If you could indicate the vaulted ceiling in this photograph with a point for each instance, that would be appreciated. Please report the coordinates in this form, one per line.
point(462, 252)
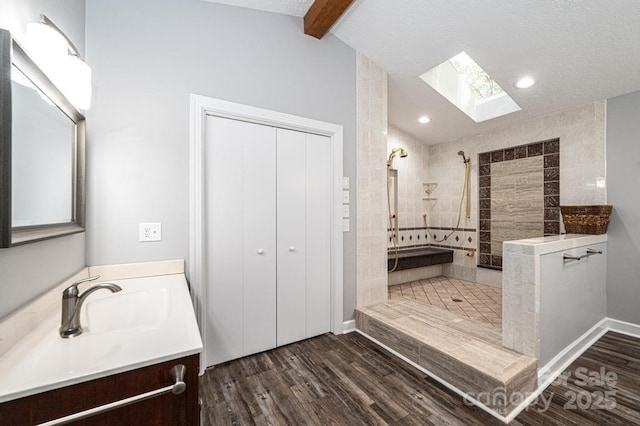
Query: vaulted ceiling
point(579, 51)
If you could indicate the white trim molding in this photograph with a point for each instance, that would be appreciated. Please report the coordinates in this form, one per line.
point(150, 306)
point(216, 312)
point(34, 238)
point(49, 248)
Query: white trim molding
point(548, 373)
point(623, 327)
point(348, 326)
point(201, 106)
point(560, 362)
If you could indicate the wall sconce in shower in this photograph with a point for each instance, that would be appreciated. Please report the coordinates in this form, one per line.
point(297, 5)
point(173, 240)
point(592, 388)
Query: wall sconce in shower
point(60, 60)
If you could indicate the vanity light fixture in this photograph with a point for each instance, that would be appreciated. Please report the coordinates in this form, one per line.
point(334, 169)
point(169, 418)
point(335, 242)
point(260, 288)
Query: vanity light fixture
point(59, 58)
point(525, 83)
point(424, 119)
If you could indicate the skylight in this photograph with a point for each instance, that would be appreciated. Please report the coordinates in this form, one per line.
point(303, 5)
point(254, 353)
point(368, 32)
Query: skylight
point(481, 83)
point(466, 85)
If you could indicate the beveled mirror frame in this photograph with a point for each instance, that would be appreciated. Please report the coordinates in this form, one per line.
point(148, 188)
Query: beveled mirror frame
point(12, 54)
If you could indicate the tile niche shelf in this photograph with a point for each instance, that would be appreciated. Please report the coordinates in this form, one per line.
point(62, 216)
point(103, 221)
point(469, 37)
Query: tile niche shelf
point(429, 187)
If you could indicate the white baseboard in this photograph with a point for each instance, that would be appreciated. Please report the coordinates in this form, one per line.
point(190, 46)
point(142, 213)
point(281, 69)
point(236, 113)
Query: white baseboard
point(348, 326)
point(623, 327)
point(560, 362)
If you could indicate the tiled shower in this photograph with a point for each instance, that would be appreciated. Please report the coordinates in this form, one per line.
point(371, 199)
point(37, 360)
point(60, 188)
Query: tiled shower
point(581, 134)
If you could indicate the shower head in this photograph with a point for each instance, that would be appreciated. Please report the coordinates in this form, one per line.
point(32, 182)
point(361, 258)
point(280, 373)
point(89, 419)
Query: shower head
point(395, 151)
point(464, 158)
point(461, 153)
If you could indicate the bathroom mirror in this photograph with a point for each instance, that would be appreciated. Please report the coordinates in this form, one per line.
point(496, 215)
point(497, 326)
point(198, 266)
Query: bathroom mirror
point(41, 153)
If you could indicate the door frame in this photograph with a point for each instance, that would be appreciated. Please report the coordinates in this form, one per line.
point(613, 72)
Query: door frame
point(201, 107)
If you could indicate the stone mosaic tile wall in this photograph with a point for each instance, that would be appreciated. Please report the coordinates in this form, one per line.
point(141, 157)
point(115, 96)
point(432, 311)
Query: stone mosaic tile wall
point(519, 196)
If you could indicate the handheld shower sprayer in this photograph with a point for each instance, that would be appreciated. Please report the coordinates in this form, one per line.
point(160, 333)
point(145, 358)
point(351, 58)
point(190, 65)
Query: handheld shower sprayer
point(393, 216)
point(403, 153)
point(467, 181)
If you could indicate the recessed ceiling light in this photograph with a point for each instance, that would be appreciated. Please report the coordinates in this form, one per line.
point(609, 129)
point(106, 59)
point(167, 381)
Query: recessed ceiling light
point(424, 119)
point(525, 83)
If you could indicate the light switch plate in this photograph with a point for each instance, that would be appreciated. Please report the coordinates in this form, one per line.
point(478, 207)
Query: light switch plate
point(345, 225)
point(345, 182)
point(150, 232)
point(345, 211)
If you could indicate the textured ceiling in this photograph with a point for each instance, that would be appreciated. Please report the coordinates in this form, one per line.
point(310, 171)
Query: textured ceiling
point(579, 51)
point(286, 7)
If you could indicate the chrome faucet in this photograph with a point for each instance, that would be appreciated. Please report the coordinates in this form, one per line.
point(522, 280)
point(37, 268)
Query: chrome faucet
point(72, 302)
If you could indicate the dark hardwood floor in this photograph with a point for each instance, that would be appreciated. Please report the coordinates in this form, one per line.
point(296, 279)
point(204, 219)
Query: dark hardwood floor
point(347, 380)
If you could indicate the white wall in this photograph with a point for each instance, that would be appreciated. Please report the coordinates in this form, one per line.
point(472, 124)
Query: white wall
point(147, 57)
point(582, 160)
point(623, 174)
point(32, 269)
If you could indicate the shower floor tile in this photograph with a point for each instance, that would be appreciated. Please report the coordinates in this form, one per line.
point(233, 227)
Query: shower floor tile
point(475, 301)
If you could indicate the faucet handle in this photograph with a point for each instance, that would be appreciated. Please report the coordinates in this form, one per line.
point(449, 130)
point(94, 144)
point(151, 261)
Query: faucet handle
point(72, 290)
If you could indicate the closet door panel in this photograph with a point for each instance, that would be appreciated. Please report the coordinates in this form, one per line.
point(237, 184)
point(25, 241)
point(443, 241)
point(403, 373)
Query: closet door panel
point(259, 234)
point(291, 228)
point(241, 235)
point(318, 238)
point(224, 206)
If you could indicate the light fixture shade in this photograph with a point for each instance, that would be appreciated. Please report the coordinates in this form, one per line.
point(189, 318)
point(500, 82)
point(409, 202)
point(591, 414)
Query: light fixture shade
point(71, 75)
point(77, 82)
point(43, 41)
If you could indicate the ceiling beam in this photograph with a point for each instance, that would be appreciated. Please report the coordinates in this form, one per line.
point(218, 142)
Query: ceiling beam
point(322, 15)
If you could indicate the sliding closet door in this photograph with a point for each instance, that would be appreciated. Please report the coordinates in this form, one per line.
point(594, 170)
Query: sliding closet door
point(303, 281)
point(241, 239)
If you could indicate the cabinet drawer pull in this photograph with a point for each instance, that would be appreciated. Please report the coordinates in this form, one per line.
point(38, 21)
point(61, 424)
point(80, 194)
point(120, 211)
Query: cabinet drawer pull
point(177, 374)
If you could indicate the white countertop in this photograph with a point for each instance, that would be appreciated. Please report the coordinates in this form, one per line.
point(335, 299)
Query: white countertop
point(43, 361)
point(551, 244)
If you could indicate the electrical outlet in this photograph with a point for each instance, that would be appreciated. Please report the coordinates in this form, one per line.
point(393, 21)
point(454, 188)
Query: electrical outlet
point(150, 232)
point(345, 197)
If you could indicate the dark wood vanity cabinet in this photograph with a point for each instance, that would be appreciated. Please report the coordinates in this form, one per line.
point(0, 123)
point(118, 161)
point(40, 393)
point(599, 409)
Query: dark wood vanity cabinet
point(166, 409)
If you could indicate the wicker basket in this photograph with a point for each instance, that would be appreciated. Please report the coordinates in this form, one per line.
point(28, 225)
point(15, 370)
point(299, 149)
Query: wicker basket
point(586, 219)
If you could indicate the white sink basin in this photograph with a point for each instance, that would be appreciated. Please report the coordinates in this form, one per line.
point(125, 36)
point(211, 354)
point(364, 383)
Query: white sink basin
point(150, 321)
point(127, 310)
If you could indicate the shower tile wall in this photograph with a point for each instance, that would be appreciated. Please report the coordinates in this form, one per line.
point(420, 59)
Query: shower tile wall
point(582, 132)
point(371, 146)
point(412, 173)
point(518, 197)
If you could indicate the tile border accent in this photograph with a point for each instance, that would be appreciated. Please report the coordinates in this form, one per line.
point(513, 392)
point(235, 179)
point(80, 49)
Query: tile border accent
point(420, 238)
point(550, 150)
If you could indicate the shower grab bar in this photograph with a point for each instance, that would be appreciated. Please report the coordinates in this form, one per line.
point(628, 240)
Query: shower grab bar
point(590, 252)
point(177, 375)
